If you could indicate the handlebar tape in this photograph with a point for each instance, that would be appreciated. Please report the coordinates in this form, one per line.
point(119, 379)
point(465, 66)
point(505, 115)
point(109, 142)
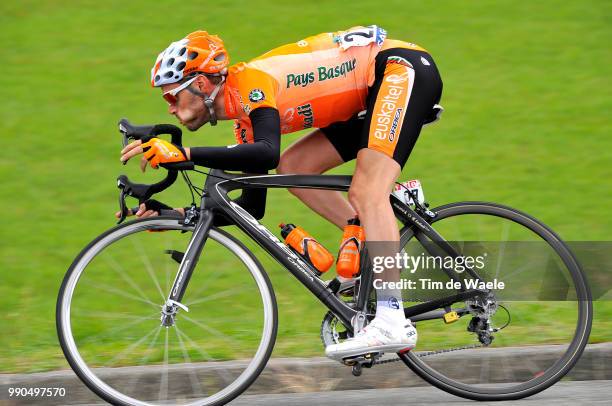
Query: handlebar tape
point(174, 131)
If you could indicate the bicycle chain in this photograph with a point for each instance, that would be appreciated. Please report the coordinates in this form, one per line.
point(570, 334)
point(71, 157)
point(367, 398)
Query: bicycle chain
point(428, 353)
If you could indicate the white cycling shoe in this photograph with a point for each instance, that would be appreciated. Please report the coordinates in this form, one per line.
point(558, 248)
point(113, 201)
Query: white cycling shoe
point(378, 336)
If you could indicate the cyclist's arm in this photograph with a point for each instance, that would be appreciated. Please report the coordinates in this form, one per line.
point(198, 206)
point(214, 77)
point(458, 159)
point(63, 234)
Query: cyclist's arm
point(258, 157)
point(262, 154)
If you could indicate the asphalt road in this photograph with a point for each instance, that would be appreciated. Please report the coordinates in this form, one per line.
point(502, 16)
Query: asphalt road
point(563, 393)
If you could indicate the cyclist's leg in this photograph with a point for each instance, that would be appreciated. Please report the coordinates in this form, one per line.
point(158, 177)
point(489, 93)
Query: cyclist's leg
point(374, 176)
point(407, 86)
point(402, 97)
point(315, 154)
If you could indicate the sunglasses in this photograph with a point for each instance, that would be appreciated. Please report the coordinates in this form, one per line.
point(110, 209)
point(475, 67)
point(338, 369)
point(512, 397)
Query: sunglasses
point(171, 96)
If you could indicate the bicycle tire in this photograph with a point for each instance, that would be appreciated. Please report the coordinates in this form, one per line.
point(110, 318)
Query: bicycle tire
point(563, 365)
point(109, 394)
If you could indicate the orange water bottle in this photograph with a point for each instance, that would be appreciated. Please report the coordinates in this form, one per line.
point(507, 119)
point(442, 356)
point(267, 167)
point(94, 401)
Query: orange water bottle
point(309, 248)
point(353, 237)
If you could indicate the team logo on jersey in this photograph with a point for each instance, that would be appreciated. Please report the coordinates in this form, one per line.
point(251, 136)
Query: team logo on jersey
point(300, 79)
point(399, 60)
point(336, 71)
point(322, 73)
point(397, 79)
point(305, 111)
point(256, 95)
point(245, 107)
point(398, 114)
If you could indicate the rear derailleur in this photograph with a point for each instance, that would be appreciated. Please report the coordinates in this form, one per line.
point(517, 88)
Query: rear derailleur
point(482, 327)
point(482, 309)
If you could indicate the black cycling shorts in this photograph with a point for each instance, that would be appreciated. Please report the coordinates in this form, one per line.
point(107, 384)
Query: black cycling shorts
point(406, 87)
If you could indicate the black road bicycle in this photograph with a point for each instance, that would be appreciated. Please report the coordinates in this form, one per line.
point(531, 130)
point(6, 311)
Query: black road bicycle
point(137, 330)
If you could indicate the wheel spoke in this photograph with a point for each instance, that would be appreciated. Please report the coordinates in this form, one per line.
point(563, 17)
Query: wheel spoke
point(124, 275)
point(144, 359)
point(130, 348)
point(211, 330)
point(507, 370)
point(527, 266)
point(217, 295)
point(195, 383)
point(163, 389)
point(485, 367)
point(107, 315)
point(500, 258)
point(148, 267)
point(117, 329)
point(220, 371)
point(116, 291)
point(205, 285)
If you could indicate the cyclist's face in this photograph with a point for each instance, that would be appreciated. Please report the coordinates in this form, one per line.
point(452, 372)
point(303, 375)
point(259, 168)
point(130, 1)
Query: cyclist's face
point(189, 109)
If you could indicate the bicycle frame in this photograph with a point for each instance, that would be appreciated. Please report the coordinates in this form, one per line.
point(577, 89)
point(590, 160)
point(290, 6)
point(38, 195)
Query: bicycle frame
point(215, 199)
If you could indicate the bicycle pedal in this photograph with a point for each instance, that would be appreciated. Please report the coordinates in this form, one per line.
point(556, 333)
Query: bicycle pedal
point(450, 317)
point(362, 358)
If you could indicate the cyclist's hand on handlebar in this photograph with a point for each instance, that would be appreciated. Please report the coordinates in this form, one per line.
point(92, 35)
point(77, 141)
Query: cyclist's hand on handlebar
point(156, 151)
point(151, 208)
point(132, 149)
point(142, 212)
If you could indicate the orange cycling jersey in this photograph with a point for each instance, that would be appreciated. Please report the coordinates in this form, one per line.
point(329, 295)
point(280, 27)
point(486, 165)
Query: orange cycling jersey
point(314, 82)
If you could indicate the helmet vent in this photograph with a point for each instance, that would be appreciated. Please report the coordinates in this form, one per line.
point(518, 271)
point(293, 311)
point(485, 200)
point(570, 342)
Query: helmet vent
point(180, 66)
point(170, 62)
point(157, 78)
point(182, 51)
point(168, 74)
point(220, 57)
point(192, 55)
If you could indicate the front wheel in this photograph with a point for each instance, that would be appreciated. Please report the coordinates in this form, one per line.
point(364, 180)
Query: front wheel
point(536, 327)
point(109, 313)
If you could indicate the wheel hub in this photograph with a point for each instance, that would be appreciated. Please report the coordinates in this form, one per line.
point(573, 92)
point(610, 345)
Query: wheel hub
point(169, 310)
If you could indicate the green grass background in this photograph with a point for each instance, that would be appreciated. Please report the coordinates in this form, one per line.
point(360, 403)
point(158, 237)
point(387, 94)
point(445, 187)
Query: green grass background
point(526, 92)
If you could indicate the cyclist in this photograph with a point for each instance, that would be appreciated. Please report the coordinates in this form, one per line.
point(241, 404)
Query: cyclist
point(367, 96)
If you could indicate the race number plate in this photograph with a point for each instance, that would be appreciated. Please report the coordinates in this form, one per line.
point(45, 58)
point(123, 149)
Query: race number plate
point(414, 186)
point(361, 37)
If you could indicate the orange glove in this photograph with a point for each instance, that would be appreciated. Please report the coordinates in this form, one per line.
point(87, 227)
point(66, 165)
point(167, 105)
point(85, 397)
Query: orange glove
point(158, 151)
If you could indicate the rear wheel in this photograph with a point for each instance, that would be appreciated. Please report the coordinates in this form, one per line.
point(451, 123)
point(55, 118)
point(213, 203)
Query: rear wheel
point(544, 310)
point(109, 310)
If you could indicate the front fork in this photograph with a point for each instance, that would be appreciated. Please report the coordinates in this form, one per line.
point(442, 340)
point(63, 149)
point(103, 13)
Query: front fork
point(170, 308)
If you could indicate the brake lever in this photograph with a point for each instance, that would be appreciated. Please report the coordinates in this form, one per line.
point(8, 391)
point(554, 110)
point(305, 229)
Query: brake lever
point(122, 207)
point(125, 140)
point(127, 136)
